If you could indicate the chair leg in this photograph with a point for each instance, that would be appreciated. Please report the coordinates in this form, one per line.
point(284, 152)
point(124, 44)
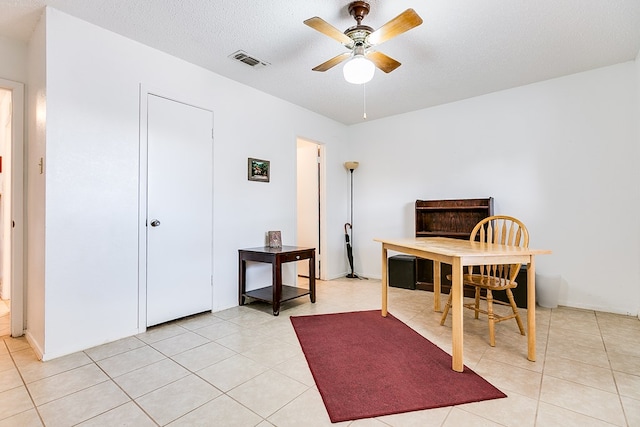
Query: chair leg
point(477, 302)
point(514, 307)
point(446, 309)
point(492, 322)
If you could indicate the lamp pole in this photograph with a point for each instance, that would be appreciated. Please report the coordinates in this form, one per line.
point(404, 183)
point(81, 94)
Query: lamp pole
point(351, 166)
point(351, 196)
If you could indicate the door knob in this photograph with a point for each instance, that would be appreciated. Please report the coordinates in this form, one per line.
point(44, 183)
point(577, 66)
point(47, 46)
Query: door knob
point(155, 223)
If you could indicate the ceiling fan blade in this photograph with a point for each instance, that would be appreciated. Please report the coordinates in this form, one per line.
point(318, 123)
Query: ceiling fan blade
point(327, 29)
point(398, 25)
point(332, 62)
point(383, 62)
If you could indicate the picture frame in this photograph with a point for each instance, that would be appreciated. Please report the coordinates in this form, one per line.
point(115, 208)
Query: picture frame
point(274, 239)
point(258, 170)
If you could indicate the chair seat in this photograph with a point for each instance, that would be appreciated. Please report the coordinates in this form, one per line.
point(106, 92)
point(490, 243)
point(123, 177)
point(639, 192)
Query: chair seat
point(488, 282)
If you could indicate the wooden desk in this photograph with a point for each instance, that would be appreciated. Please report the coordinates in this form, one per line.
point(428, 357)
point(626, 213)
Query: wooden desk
point(277, 292)
point(461, 253)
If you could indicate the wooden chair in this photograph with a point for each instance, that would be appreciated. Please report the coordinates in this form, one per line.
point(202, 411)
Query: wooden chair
point(502, 230)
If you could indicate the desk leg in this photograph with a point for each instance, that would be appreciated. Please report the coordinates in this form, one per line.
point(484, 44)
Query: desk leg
point(457, 331)
point(531, 309)
point(437, 282)
point(276, 285)
point(312, 277)
point(385, 287)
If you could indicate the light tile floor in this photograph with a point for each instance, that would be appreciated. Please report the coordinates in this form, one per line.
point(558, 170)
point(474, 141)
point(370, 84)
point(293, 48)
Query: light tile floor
point(244, 367)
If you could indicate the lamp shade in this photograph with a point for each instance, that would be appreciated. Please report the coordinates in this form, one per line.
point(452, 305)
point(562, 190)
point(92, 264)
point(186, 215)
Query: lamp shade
point(358, 70)
point(351, 165)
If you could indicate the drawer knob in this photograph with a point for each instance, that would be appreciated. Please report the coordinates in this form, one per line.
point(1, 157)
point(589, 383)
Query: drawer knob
point(297, 256)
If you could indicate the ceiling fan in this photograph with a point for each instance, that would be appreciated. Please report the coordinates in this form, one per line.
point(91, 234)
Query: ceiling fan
point(361, 39)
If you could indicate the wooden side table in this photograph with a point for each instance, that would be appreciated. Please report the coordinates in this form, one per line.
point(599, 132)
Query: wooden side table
point(277, 292)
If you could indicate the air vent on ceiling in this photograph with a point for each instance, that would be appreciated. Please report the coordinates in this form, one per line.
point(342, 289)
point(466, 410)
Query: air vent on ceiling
point(245, 58)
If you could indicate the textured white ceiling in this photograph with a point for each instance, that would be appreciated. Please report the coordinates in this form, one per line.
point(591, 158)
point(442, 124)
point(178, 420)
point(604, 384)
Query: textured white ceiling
point(463, 49)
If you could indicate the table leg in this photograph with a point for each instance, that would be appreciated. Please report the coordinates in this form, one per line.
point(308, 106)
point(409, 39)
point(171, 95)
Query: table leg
point(312, 277)
point(531, 309)
point(384, 281)
point(242, 278)
point(457, 331)
point(276, 285)
point(437, 282)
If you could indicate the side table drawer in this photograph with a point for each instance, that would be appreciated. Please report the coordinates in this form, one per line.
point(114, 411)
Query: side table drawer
point(296, 256)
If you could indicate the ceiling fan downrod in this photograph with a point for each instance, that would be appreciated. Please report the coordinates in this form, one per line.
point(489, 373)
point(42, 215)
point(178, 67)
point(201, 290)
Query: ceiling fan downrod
point(359, 9)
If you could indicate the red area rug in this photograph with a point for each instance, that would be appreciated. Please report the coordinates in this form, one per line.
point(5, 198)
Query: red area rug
point(366, 365)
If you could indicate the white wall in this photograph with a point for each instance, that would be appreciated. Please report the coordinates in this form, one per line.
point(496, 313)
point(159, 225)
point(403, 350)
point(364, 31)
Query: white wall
point(13, 65)
point(637, 120)
point(92, 147)
point(35, 186)
point(5, 188)
point(561, 155)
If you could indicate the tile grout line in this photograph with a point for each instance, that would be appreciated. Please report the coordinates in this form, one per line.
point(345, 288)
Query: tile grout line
point(615, 381)
point(544, 361)
point(24, 384)
point(131, 399)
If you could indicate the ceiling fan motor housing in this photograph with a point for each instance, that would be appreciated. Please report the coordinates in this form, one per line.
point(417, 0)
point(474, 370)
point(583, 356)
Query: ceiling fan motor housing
point(359, 34)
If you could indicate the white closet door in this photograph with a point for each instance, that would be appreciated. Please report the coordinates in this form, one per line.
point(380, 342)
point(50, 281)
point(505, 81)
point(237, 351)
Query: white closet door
point(179, 210)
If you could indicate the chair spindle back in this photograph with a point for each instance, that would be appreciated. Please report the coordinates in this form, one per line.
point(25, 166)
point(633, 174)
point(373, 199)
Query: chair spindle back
point(501, 230)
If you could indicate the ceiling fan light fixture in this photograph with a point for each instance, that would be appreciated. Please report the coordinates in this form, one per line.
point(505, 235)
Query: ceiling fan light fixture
point(358, 70)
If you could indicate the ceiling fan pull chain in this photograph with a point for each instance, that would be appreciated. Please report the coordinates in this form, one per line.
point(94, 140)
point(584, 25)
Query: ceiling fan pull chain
point(364, 101)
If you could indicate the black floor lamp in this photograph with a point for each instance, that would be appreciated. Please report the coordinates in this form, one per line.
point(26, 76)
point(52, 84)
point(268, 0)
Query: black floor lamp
point(351, 166)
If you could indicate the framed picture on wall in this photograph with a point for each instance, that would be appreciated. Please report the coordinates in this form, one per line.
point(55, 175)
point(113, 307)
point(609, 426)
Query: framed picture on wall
point(259, 170)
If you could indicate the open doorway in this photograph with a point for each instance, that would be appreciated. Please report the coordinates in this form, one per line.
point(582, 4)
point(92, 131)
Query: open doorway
point(310, 206)
point(11, 208)
point(5, 282)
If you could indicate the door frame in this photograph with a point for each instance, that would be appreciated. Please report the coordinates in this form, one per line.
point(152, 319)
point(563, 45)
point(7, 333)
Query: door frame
point(17, 206)
point(321, 251)
point(145, 91)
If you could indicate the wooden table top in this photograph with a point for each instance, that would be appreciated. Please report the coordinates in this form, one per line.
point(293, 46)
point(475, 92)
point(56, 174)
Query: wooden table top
point(459, 248)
